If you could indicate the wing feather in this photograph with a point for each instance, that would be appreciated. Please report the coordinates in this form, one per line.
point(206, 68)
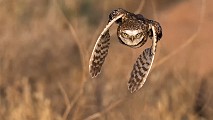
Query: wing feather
point(142, 66)
point(101, 48)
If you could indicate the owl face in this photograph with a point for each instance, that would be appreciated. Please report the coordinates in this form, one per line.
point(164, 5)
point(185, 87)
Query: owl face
point(131, 37)
point(134, 35)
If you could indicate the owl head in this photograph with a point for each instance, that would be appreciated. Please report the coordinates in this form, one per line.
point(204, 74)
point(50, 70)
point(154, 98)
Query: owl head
point(133, 33)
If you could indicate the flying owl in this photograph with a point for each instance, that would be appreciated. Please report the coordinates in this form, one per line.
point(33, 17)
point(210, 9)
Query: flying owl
point(133, 31)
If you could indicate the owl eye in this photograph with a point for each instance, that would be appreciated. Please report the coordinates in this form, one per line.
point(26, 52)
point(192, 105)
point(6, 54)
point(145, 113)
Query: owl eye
point(138, 35)
point(125, 35)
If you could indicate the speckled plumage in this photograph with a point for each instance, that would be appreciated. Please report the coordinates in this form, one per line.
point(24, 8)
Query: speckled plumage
point(133, 31)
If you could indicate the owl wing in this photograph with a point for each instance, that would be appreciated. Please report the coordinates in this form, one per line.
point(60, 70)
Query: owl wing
point(142, 66)
point(100, 50)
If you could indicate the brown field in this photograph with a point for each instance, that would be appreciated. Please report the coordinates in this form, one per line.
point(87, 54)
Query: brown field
point(45, 47)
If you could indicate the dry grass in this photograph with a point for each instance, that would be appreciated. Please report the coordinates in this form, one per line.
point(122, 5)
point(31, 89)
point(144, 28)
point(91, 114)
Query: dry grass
point(44, 52)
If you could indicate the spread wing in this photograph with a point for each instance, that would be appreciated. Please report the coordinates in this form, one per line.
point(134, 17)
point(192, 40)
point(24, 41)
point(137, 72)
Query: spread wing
point(142, 66)
point(100, 50)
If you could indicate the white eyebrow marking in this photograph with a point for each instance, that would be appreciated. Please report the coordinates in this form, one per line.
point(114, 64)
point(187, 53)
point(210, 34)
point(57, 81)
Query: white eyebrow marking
point(132, 32)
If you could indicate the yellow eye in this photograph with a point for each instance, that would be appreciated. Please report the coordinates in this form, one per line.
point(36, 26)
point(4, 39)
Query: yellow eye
point(138, 35)
point(125, 35)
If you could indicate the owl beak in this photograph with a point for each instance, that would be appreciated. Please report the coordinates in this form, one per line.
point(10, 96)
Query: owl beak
point(132, 38)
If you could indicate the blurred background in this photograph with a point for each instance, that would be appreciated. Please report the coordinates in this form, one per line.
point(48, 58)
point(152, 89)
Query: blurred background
point(45, 47)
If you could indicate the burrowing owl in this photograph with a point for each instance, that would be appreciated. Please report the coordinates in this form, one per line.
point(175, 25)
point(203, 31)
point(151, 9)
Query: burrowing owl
point(133, 31)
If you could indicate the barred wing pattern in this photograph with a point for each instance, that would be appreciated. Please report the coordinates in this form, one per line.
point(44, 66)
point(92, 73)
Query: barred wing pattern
point(99, 54)
point(142, 66)
point(100, 50)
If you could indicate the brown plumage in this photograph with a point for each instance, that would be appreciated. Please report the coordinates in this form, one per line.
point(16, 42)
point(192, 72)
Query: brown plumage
point(133, 31)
